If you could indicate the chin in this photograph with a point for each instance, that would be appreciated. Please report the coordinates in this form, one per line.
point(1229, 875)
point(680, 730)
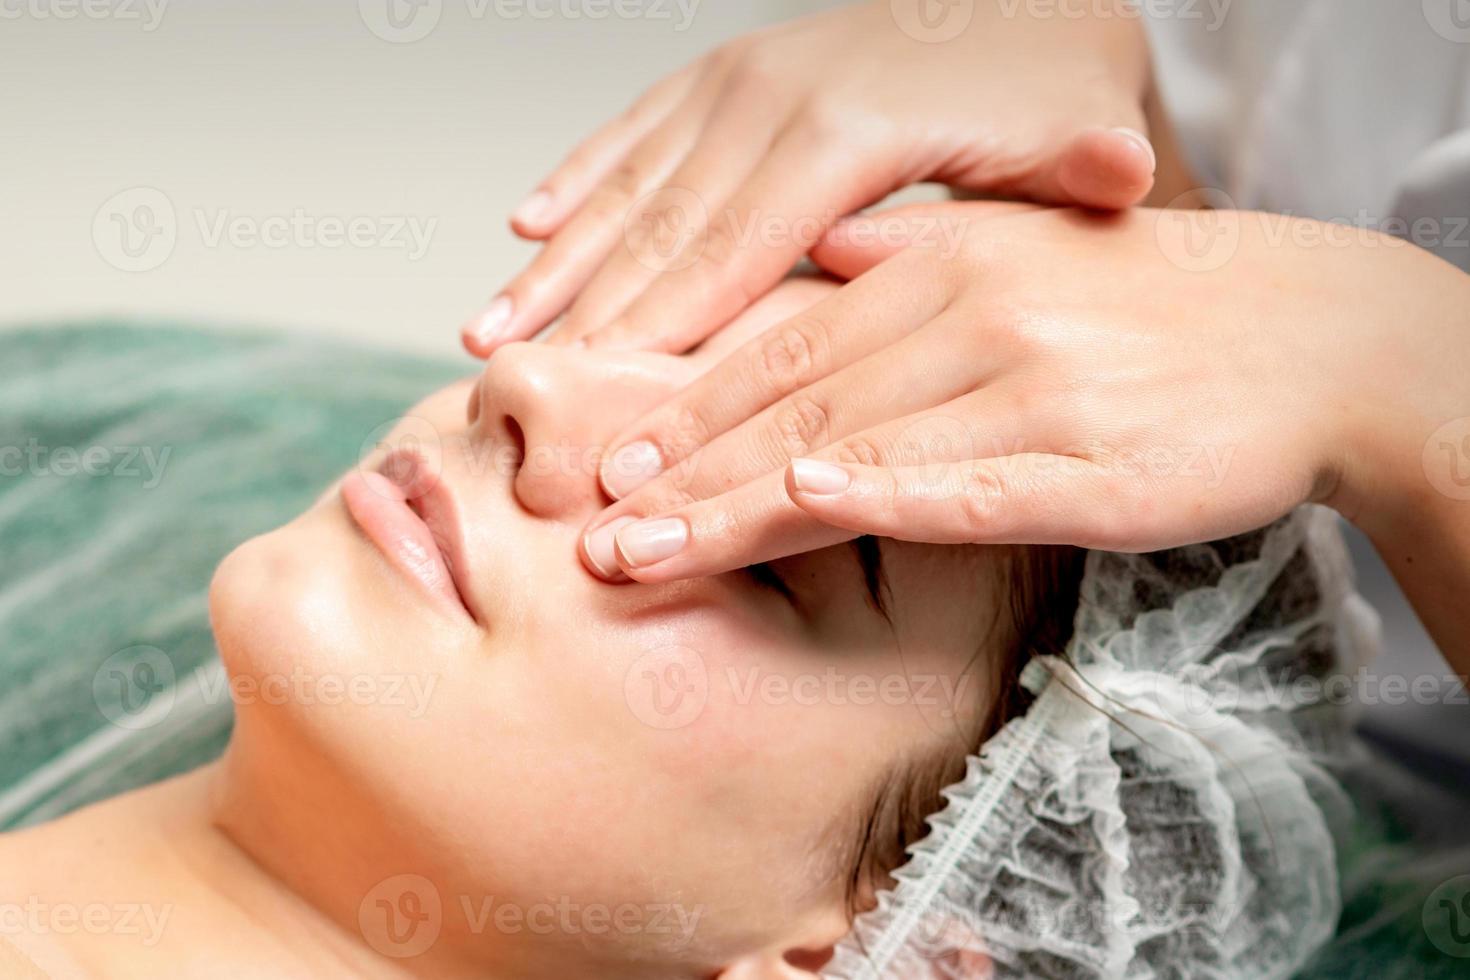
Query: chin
point(279, 596)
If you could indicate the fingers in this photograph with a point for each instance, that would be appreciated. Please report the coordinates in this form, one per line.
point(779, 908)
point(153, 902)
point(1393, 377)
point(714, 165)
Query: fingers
point(675, 534)
point(800, 188)
point(566, 188)
point(739, 132)
point(753, 523)
point(1028, 498)
point(852, 323)
point(857, 398)
point(570, 258)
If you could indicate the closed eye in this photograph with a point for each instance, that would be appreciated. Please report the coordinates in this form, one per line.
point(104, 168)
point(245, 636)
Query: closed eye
point(765, 576)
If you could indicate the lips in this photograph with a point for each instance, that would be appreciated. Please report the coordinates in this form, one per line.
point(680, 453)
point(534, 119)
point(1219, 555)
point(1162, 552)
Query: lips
point(408, 514)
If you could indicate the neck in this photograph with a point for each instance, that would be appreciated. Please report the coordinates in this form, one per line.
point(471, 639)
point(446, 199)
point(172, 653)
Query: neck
point(160, 880)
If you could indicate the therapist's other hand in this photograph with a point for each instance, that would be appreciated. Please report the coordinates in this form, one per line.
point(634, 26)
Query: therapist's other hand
point(1126, 382)
point(673, 217)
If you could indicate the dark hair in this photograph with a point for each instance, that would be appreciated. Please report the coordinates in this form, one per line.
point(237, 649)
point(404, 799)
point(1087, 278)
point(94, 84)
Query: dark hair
point(1043, 585)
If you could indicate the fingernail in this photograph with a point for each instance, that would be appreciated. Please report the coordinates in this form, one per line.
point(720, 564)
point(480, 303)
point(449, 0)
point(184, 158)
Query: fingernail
point(598, 545)
point(489, 327)
point(818, 478)
point(631, 467)
point(1143, 144)
point(533, 209)
point(650, 542)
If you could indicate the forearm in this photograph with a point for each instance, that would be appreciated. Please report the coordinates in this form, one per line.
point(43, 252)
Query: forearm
point(1411, 472)
point(1429, 555)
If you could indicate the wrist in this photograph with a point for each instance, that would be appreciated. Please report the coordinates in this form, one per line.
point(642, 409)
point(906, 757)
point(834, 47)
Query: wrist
point(1403, 459)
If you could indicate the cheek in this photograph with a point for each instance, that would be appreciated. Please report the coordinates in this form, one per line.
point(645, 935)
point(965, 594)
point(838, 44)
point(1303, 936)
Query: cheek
point(319, 641)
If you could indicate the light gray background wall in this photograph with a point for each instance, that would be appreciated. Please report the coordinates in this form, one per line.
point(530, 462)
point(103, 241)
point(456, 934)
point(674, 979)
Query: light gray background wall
point(236, 110)
point(218, 111)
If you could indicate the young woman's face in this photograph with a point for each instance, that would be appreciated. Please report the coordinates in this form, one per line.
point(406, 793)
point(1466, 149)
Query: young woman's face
point(652, 779)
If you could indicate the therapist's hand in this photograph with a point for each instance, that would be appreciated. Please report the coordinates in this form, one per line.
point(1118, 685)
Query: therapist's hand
point(1127, 382)
point(672, 218)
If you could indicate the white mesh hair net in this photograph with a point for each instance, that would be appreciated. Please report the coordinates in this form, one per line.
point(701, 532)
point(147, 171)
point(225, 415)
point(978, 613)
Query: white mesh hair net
point(1165, 807)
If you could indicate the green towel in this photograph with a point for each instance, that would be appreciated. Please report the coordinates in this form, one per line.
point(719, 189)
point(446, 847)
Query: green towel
point(132, 459)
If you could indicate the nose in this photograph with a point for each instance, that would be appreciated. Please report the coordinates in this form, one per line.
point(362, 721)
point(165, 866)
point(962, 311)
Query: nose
point(562, 407)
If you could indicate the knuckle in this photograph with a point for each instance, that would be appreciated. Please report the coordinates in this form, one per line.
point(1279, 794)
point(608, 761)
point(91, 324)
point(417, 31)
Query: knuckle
point(681, 432)
point(720, 247)
point(982, 498)
point(791, 354)
point(727, 57)
point(625, 179)
point(825, 120)
point(800, 425)
point(756, 71)
point(663, 496)
point(862, 451)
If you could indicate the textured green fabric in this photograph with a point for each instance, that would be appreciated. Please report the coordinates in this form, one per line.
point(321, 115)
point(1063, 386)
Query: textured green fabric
point(210, 438)
point(198, 441)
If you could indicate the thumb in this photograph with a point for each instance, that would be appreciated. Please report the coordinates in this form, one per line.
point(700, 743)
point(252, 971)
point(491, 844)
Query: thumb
point(1108, 169)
